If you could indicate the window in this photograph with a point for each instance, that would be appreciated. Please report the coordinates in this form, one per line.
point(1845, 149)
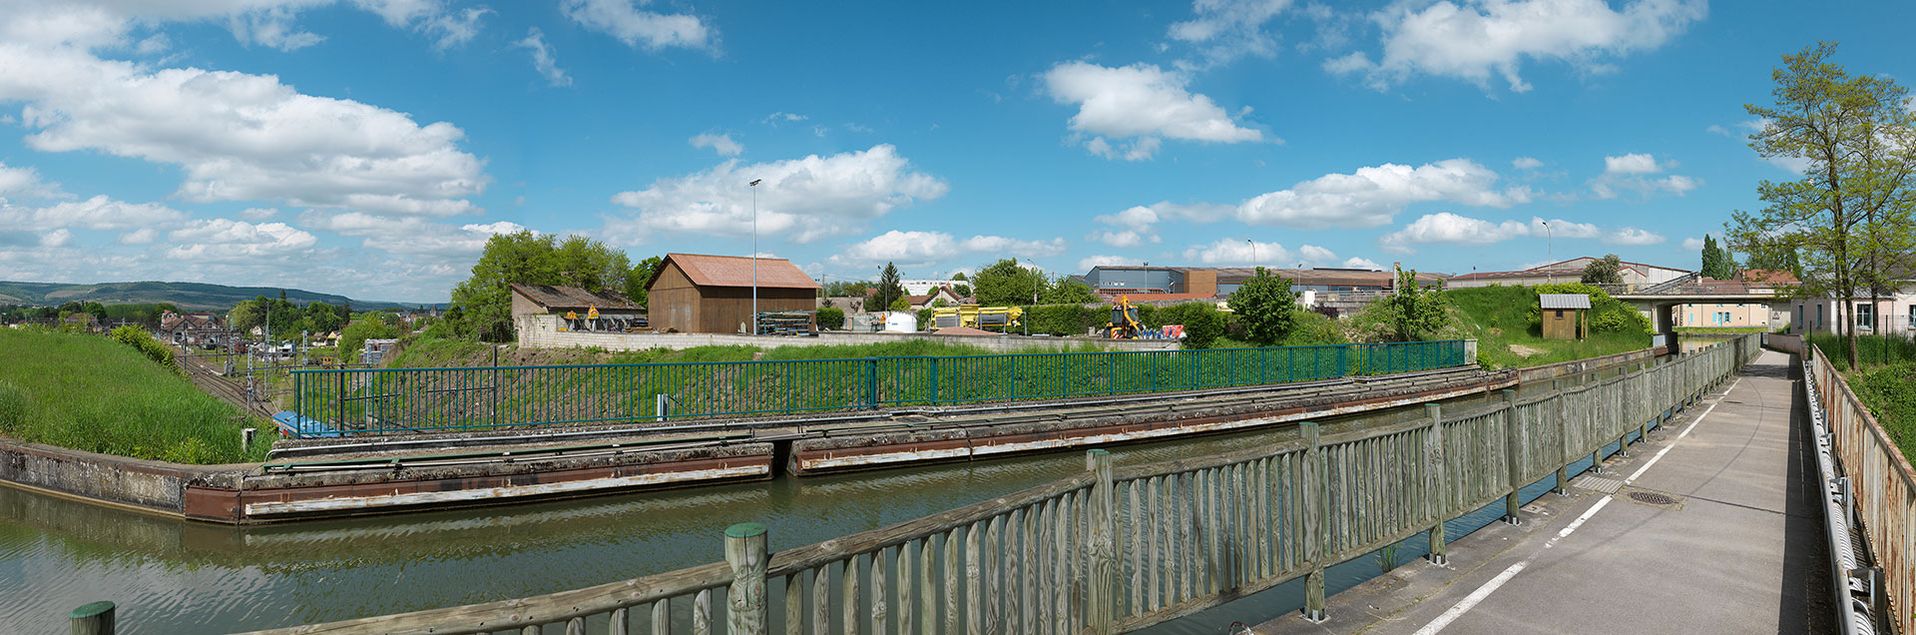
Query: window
point(1912, 316)
point(1559, 314)
point(1865, 316)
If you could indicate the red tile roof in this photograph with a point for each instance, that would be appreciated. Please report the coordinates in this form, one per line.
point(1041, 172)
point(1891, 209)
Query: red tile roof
point(736, 271)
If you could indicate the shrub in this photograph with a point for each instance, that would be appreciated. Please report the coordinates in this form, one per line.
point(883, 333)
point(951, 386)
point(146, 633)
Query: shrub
point(1065, 319)
point(1203, 323)
point(1264, 306)
point(1607, 314)
point(1311, 328)
point(144, 342)
point(831, 318)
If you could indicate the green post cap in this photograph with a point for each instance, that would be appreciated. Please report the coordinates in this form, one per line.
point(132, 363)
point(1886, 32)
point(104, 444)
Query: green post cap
point(1099, 452)
point(745, 530)
point(90, 610)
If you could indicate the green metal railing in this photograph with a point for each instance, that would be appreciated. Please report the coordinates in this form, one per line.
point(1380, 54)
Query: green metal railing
point(332, 402)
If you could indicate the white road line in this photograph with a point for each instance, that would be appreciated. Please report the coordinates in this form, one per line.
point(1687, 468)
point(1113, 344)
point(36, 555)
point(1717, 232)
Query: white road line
point(1686, 432)
point(1471, 600)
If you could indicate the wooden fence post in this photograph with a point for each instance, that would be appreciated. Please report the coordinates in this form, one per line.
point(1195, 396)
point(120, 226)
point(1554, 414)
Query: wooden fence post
point(1563, 436)
point(1514, 455)
point(1317, 535)
point(745, 551)
point(92, 619)
point(1438, 494)
point(1101, 601)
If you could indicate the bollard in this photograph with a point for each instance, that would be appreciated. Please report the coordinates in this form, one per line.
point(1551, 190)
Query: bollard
point(745, 552)
point(92, 619)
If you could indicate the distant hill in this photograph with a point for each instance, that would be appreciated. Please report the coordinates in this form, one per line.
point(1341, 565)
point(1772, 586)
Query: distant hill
point(194, 296)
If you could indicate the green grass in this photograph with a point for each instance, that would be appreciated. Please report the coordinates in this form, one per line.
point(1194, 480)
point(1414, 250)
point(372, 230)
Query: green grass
point(91, 393)
point(1885, 380)
point(1499, 317)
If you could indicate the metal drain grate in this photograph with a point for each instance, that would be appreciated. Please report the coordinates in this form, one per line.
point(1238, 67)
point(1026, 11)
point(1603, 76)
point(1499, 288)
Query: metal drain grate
point(1653, 498)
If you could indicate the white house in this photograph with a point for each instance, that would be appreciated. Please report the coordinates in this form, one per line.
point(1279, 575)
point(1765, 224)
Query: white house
point(1893, 313)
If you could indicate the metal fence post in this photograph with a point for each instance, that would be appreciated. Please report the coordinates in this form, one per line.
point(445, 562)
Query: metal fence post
point(339, 400)
point(745, 598)
point(871, 383)
point(1317, 535)
point(1438, 495)
point(1514, 453)
point(92, 619)
point(1101, 594)
point(936, 398)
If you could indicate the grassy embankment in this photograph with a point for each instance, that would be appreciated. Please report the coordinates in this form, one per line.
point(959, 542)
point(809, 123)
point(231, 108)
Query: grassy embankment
point(1885, 379)
point(91, 393)
point(1500, 318)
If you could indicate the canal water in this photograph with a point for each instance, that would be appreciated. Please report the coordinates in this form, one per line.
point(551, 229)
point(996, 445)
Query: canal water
point(171, 576)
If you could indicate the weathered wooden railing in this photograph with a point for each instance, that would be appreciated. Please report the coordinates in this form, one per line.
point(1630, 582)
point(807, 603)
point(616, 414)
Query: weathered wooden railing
point(1882, 491)
point(1116, 549)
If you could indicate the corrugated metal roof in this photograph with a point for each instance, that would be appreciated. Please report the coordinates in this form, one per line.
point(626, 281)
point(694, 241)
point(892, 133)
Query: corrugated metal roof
point(736, 271)
point(557, 297)
point(1564, 300)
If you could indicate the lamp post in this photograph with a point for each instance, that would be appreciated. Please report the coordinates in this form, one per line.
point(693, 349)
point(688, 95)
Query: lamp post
point(1253, 245)
point(754, 186)
point(1037, 281)
point(1549, 240)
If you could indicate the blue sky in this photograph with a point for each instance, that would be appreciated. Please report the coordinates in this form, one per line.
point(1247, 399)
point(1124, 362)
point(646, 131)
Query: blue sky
point(368, 147)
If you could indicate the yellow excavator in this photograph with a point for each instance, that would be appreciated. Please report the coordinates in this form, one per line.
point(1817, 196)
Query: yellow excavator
point(1124, 324)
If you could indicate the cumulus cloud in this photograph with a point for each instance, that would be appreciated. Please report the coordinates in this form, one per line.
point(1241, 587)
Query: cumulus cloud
point(1477, 40)
point(56, 238)
point(1371, 196)
point(1633, 236)
point(226, 239)
point(1526, 163)
point(1137, 225)
point(1693, 244)
point(1450, 228)
point(1236, 251)
point(635, 27)
point(920, 248)
point(1224, 30)
point(235, 136)
point(720, 143)
point(1635, 172)
point(803, 199)
point(23, 182)
point(98, 212)
point(543, 59)
point(1087, 262)
point(1138, 105)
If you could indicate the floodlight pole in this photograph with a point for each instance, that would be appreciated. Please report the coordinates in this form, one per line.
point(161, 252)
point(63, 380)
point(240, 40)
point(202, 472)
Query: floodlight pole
point(754, 186)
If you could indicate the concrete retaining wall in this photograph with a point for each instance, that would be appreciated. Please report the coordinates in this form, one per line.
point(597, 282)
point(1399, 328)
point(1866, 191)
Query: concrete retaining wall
point(541, 331)
point(152, 485)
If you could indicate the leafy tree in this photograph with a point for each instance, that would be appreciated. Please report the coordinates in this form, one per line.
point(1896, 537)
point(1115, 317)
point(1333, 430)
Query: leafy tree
point(890, 290)
point(641, 275)
point(1605, 270)
point(1068, 290)
point(1264, 307)
point(484, 300)
point(1203, 323)
point(831, 318)
point(1006, 283)
point(963, 290)
point(320, 317)
point(1848, 216)
point(899, 304)
point(366, 326)
point(1774, 257)
point(1717, 263)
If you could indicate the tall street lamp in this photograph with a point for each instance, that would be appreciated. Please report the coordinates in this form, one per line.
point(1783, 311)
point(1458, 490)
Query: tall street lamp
point(754, 186)
point(1549, 252)
point(1253, 245)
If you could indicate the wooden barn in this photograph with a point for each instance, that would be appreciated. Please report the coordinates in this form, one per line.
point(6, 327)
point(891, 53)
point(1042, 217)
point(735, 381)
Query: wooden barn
point(694, 293)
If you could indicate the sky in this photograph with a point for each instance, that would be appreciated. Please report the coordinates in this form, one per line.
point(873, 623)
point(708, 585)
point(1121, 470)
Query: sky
point(370, 147)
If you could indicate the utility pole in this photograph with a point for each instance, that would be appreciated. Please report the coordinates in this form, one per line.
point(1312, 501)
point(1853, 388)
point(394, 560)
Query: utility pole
point(754, 186)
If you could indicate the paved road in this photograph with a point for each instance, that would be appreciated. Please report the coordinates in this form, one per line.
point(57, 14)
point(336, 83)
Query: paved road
point(1712, 561)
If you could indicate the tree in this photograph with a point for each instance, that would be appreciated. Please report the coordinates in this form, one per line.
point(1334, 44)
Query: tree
point(890, 290)
point(1717, 264)
point(365, 326)
point(1264, 306)
point(1068, 290)
point(1848, 216)
point(484, 300)
point(1006, 283)
point(1605, 270)
point(640, 276)
point(963, 290)
point(1774, 257)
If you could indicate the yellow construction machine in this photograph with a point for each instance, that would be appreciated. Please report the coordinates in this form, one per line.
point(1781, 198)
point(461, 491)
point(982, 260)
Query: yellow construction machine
point(990, 318)
point(1124, 324)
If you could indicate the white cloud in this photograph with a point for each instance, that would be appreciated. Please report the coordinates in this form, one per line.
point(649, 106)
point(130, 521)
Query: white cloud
point(1362, 263)
point(1633, 236)
point(801, 199)
point(437, 243)
point(622, 19)
point(1632, 172)
point(1225, 30)
point(139, 236)
point(784, 117)
point(720, 143)
point(1137, 224)
point(921, 248)
point(258, 213)
point(1480, 39)
point(1140, 103)
point(23, 182)
point(226, 239)
point(1693, 244)
point(98, 212)
point(56, 238)
point(543, 59)
point(1371, 196)
point(1526, 163)
point(1449, 228)
point(431, 17)
point(238, 136)
point(1633, 163)
point(1235, 251)
point(1088, 262)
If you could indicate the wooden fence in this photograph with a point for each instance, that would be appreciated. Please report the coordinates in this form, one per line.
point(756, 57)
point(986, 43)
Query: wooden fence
point(1115, 549)
point(1881, 484)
